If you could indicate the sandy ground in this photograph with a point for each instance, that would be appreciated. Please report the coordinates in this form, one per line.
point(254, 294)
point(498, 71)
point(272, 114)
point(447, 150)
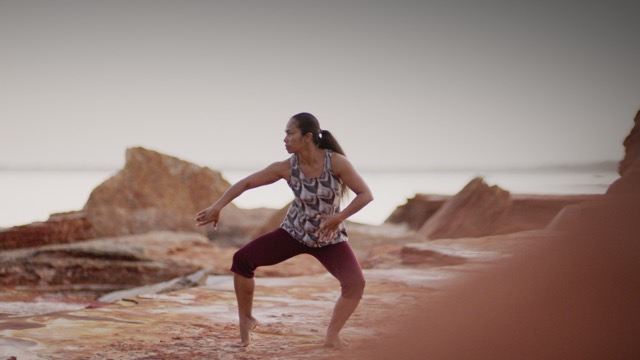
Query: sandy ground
point(201, 323)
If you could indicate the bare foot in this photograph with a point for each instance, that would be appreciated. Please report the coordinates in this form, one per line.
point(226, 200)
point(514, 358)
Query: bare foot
point(246, 326)
point(334, 341)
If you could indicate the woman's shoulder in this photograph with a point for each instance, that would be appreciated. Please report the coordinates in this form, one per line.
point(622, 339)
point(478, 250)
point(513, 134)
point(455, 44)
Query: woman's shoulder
point(338, 162)
point(336, 157)
point(282, 167)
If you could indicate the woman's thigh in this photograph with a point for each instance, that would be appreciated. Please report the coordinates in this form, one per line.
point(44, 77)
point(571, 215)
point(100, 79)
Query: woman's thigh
point(342, 263)
point(269, 249)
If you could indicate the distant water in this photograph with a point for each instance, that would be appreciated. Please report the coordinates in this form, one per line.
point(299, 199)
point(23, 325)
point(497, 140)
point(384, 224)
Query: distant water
point(27, 196)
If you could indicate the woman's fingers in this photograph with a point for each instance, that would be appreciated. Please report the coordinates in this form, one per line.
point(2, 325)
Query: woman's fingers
point(205, 222)
point(326, 234)
point(206, 216)
point(328, 228)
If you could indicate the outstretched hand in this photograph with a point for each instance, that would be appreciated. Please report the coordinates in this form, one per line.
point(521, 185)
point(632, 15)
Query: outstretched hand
point(208, 215)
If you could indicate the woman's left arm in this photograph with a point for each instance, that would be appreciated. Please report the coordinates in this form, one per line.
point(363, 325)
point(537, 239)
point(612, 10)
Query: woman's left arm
point(343, 169)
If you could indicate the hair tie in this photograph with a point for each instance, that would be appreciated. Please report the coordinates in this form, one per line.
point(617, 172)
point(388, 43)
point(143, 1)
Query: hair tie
point(320, 134)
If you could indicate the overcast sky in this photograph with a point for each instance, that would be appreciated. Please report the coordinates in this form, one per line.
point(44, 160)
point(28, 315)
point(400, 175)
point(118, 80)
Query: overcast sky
point(412, 84)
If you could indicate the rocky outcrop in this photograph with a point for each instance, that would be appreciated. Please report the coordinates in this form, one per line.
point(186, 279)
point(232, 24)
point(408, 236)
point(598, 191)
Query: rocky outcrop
point(417, 210)
point(447, 252)
point(109, 264)
point(629, 168)
point(531, 212)
point(152, 192)
point(631, 147)
point(622, 192)
point(60, 228)
point(519, 212)
point(474, 211)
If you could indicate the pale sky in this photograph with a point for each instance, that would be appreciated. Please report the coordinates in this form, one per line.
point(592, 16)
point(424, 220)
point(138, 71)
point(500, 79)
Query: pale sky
point(409, 84)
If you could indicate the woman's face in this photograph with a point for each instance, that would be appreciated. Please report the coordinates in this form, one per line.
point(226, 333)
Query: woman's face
point(293, 139)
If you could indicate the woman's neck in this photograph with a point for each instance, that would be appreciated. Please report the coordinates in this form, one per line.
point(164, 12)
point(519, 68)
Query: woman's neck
point(311, 156)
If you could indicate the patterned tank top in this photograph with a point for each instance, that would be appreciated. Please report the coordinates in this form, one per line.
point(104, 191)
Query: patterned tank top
point(313, 197)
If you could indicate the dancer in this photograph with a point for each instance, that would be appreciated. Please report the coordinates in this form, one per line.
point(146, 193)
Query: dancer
point(320, 176)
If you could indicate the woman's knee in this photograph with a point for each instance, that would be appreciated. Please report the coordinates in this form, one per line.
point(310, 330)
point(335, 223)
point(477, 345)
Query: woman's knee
point(353, 289)
point(241, 264)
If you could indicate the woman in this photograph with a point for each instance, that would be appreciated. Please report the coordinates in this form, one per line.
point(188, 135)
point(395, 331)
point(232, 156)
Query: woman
point(319, 175)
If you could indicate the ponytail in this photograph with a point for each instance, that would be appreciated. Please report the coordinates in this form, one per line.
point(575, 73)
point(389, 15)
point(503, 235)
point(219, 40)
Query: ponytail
point(326, 140)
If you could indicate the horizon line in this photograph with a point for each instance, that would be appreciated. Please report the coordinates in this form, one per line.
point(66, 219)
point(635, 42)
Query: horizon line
point(603, 165)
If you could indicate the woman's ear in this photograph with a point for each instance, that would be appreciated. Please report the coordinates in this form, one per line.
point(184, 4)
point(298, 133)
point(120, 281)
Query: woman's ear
point(308, 137)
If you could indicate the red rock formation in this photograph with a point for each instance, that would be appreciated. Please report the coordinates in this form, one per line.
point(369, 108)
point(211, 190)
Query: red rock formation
point(520, 212)
point(60, 228)
point(417, 210)
point(474, 211)
point(106, 264)
point(631, 147)
point(629, 168)
point(152, 192)
point(531, 212)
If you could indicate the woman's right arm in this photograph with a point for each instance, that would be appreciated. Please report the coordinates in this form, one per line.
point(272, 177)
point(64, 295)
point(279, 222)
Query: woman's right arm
point(268, 175)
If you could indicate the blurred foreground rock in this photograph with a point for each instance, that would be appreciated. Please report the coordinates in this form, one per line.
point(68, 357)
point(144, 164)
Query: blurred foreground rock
point(570, 295)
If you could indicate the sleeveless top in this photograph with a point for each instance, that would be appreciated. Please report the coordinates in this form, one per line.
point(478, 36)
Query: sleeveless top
point(313, 197)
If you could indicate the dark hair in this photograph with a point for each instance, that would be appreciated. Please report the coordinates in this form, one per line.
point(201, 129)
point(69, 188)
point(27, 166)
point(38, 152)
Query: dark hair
point(308, 123)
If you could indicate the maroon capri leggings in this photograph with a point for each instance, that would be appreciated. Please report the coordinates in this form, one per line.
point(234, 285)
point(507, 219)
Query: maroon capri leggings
point(277, 246)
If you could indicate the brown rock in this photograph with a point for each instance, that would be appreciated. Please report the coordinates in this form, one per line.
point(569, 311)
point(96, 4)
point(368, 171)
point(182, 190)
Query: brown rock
point(152, 192)
point(382, 257)
point(624, 189)
point(60, 228)
point(413, 254)
point(525, 211)
point(631, 147)
point(447, 252)
point(629, 168)
point(473, 212)
point(363, 238)
point(109, 264)
point(417, 210)
point(530, 212)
